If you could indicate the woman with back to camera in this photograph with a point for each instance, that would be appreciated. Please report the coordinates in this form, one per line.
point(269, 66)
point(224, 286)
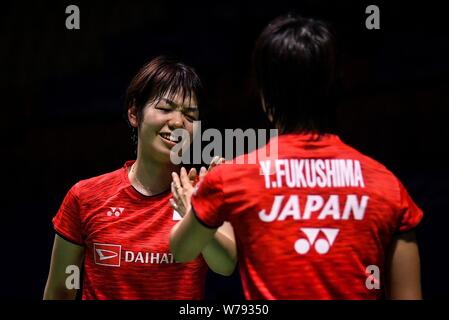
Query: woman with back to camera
point(317, 220)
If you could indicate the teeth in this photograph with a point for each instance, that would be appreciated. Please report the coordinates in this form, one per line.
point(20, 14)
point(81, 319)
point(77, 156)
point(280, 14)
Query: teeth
point(169, 137)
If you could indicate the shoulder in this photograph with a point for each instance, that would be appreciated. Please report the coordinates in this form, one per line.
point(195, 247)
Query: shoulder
point(378, 174)
point(368, 162)
point(100, 184)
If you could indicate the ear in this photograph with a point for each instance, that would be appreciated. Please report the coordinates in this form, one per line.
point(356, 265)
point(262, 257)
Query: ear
point(264, 107)
point(132, 116)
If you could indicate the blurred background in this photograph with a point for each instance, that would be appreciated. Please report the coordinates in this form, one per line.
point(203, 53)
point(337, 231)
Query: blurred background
point(63, 91)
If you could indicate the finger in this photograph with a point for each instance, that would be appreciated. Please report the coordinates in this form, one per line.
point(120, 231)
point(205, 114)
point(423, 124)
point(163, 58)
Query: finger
point(184, 178)
point(215, 159)
point(174, 192)
point(192, 175)
point(176, 207)
point(173, 204)
point(203, 172)
point(176, 179)
point(213, 162)
point(176, 185)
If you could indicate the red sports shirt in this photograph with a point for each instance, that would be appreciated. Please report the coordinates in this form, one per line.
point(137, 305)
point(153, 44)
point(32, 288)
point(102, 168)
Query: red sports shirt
point(126, 238)
point(312, 223)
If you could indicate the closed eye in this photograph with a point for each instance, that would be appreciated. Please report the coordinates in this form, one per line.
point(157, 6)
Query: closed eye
point(164, 109)
point(190, 117)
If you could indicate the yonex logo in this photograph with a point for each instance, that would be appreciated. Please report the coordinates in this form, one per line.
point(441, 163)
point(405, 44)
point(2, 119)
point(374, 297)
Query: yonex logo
point(107, 254)
point(115, 211)
point(321, 245)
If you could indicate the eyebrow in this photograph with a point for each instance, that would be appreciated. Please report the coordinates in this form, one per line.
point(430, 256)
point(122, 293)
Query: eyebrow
point(173, 104)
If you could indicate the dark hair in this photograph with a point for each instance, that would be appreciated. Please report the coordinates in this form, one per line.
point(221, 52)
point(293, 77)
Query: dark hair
point(162, 75)
point(294, 66)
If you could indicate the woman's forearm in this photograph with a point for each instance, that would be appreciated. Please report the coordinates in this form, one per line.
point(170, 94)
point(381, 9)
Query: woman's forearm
point(221, 254)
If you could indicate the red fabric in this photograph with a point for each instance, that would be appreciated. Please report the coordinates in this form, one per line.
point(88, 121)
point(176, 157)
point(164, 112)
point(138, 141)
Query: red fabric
point(126, 236)
point(320, 240)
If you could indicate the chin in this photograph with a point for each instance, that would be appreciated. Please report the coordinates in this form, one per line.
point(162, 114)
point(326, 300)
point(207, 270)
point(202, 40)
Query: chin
point(162, 154)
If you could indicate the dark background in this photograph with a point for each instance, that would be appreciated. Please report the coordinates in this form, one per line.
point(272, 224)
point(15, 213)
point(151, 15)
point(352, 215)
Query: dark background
point(63, 93)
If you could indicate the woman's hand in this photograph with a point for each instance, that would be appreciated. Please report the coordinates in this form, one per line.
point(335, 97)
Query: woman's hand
point(182, 190)
point(184, 186)
point(215, 162)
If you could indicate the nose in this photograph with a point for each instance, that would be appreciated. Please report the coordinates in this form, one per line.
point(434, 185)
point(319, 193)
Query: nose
point(175, 121)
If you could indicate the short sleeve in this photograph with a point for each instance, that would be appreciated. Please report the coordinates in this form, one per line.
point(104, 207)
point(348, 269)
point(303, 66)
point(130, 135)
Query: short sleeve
point(410, 213)
point(67, 222)
point(208, 201)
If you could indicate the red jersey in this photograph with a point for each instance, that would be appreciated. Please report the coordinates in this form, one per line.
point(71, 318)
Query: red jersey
point(126, 238)
point(312, 223)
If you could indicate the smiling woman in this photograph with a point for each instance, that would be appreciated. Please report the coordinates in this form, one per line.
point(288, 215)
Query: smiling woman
point(162, 97)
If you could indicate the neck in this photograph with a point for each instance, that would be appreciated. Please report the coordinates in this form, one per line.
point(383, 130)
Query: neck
point(150, 177)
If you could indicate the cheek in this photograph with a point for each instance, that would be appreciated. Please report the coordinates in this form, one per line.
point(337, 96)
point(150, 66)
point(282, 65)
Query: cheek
point(189, 127)
point(152, 120)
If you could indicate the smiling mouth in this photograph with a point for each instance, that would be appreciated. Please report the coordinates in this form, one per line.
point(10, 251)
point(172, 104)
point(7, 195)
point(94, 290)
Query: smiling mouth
point(169, 137)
